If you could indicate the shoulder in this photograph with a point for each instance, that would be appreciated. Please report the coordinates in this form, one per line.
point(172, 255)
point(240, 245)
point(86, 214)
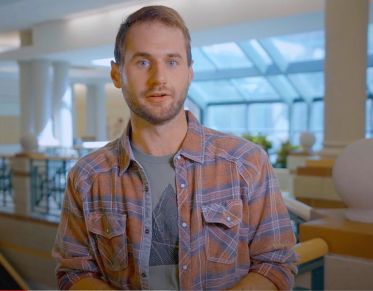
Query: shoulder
point(232, 147)
point(98, 161)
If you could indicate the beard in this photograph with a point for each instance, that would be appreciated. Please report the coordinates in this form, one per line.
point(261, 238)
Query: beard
point(156, 114)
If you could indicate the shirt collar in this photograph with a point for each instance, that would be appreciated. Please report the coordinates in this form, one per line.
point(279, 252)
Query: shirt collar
point(192, 146)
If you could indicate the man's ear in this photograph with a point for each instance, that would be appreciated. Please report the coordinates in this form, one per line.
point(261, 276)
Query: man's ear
point(191, 74)
point(115, 75)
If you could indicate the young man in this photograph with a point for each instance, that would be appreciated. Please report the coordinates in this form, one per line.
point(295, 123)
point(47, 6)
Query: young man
point(170, 204)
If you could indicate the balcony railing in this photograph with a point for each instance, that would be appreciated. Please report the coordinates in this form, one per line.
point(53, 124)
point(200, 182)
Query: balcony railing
point(48, 181)
point(6, 189)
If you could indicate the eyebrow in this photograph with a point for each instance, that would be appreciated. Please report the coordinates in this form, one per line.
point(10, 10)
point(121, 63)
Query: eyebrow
point(147, 55)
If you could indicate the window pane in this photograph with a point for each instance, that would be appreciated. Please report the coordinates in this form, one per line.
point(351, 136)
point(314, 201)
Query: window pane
point(283, 86)
point(369, 118)
point(214, 91)
point(370, 39)
point(370, 79)
point(227, 56)
point(227, 118)
point(317, 123)
point(310, 85)
point(192, 107)
point(258, 50)
point(271, 120)
point(299, 121)
point(300, 47)
point(255, 88)
point(200, 62)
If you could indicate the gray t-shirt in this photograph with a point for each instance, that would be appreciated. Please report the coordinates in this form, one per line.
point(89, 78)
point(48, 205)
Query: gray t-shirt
point(163, 262)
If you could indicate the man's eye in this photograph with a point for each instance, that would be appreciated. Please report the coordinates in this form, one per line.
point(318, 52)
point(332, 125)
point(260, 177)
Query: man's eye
point(172, 63)
point(143, 63)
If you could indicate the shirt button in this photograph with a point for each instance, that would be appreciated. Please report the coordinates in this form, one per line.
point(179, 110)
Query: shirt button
point(147, 231)
point(178, 157)
point(182, 185)
point(185, 267)
point(143, 275)
point(184, 224)
point(229, 218)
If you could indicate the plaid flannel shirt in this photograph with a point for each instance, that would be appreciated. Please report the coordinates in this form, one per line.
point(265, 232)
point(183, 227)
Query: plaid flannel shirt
point(231, 217)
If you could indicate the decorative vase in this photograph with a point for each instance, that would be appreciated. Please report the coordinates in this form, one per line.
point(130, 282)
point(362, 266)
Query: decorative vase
point(353, 179)
point(29, 143)
point(307, 140)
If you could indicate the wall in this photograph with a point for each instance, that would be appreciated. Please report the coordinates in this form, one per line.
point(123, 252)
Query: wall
point(9, 111)
point(27, 245)
point(116, 109)
point(10, 123)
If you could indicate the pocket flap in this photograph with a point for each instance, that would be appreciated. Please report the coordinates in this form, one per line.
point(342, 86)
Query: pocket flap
point(229, 214)
point(107, 224)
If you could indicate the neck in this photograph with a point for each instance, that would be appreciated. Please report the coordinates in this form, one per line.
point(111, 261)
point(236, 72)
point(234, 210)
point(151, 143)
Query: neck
point(159, 140)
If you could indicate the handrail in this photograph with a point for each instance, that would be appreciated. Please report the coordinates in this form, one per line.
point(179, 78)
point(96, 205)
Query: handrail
point(311, 259)
point(310, 250)
point(298, 208)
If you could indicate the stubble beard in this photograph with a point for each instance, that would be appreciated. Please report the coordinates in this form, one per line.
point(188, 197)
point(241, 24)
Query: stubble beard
point(156, 114)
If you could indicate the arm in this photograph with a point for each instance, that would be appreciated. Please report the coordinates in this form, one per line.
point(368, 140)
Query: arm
point(271, 253)
point(254, 281)
point(75, 260)
point(90, 284)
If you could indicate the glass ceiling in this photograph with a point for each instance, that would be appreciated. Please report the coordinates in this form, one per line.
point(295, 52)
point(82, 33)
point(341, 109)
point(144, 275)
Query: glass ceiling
point(254, 80)
point(256, 70)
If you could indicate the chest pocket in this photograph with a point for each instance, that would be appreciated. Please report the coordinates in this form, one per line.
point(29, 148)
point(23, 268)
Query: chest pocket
point(110, 236)
point(222, 222)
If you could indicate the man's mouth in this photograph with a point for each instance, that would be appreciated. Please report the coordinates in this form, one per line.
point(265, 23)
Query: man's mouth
point(157, 94)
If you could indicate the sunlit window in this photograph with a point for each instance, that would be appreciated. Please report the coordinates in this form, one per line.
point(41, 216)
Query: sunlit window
point(227, 56)
point(270, 120)
point(300, 47)
point(227, 118)
point(309, 85)
point(369, 118)
point(255, 88)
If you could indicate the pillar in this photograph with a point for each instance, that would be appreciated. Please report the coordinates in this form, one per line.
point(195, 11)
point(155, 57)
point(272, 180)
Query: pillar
point(96, 112)
point(26, 98)
point(62, 105)
point(346, 26)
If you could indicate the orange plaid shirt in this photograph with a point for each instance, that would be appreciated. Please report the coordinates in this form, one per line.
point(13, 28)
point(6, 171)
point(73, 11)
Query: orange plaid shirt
point(231, 217)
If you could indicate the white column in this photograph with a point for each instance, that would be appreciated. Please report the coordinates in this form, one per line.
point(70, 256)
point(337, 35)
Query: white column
point(41, 88)
point(26, 99)
point(73, 113)
point(96, 111)
point(345, 73)
point(62, 104)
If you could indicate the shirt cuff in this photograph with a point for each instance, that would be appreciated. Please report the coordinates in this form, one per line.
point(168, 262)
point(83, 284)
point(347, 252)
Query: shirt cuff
point(281, 277)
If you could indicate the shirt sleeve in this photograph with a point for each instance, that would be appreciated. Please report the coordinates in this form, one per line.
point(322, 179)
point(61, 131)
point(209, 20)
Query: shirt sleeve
point(271, 249)
point(71, 248)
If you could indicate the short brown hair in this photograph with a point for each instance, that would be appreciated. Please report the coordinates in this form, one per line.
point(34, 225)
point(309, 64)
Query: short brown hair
point(163, 14)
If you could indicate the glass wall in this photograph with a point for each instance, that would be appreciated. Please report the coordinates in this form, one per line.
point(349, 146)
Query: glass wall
point(272, 86)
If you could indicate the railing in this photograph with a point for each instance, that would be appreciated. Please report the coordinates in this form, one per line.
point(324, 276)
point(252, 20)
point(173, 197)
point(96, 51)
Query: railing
point(311, 259)
point(310, 253)
point(6, 191)
point(48, 181)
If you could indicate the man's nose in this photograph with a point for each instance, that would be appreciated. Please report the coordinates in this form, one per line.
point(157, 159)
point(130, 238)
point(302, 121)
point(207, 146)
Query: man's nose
point(158, 74)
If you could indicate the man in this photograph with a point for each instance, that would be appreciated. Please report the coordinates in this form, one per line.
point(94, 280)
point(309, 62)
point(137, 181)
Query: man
point(170, 204)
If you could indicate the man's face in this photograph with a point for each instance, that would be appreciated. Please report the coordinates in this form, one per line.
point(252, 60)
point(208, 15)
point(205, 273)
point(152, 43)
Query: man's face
point(154, 75)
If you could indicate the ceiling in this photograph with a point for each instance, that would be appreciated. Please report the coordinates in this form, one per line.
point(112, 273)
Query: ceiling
point(84, 30)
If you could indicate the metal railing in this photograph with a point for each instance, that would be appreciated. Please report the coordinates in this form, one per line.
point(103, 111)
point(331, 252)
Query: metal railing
point(310, 253)
point(48, 181)
point(6, 189)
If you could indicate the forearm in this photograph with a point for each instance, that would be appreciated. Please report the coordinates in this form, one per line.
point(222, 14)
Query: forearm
point(90, 284)
point(254, 281)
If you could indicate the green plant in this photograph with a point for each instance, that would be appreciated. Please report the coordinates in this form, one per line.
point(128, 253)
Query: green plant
point(282, 154)
point(259, 139)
